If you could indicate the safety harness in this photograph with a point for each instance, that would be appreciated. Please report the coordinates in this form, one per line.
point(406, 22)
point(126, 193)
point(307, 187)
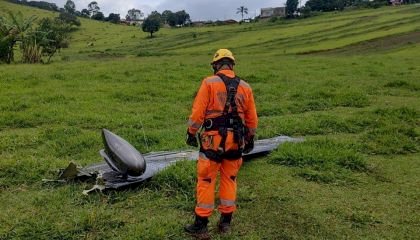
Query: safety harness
point(228, 121)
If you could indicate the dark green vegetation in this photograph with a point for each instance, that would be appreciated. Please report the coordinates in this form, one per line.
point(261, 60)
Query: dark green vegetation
point(356, 103)
point(151, 25)
point(44, 40)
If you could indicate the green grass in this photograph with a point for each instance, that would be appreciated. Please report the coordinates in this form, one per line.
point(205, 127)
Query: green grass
point(338, 79)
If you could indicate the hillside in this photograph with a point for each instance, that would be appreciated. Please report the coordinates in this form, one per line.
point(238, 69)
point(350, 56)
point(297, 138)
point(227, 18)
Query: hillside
point(348, 82)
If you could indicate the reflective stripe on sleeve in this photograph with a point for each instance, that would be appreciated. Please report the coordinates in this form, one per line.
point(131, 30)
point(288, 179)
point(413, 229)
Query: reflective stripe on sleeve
point(228, 203)
point(193, 124)
point(214, 80)
point(244, 84)
point(202, 155)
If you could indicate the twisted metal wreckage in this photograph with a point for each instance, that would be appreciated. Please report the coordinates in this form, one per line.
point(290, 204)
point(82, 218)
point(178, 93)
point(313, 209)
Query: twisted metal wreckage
point(124, 166)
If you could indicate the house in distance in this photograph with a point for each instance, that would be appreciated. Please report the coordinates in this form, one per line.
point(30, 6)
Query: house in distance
point(273, 12)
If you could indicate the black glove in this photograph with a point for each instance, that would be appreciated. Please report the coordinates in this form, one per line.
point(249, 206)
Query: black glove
point(191, 139)
point(249, 144)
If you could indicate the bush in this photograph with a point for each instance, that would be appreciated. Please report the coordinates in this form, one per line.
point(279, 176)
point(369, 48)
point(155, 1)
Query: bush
point(31, 50)
point(12, 31)
point(69, 19)
point(52, 35)
point(306, 11)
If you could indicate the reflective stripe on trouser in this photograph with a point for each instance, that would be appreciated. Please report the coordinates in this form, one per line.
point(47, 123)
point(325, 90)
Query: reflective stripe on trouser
point(207, 171)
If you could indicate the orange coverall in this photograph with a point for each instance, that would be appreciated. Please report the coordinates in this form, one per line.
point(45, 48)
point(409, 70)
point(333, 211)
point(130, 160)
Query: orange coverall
point(210, 103)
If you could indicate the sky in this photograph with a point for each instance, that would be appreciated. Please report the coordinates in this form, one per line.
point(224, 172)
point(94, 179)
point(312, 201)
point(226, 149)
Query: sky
point(199, 10)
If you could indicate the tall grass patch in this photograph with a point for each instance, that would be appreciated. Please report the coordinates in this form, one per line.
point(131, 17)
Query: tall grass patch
point(402, 85)
point(319, 100)
point(391, 140)
point(395, 132)
point(323, 161)
point(177, 181)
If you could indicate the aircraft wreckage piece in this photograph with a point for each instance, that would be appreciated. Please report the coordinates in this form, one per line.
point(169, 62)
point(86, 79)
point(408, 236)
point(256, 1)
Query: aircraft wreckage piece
point(124, 166)
point(121, 156)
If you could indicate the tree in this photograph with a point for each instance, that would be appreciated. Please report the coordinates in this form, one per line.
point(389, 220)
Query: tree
point(41, 4)
point(182, 18)
point(114, 18)
point(85, 13)
point(291, 7)
point(242, 10)
point(171, 19)
point(179, 18)
point(166, 15)
point(305, 11)
point(151, 25)
point(99, 16)
point(156, 15)
point(93, 8)
point(326, 5)
point(70, 7)
point(134, 15)
point(69, 19)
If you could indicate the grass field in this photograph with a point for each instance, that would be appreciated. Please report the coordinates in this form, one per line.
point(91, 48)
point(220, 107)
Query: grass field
point(348, 82)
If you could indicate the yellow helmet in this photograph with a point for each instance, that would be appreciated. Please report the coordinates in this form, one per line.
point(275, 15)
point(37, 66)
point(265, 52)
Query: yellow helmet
point(223, 53)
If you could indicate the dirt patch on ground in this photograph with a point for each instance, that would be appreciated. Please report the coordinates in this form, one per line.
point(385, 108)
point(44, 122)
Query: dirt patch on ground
point(374, 45)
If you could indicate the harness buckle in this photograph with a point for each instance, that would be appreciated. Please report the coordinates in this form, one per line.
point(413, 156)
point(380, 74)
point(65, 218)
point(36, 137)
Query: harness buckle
point(220, 150)
point(208, 123)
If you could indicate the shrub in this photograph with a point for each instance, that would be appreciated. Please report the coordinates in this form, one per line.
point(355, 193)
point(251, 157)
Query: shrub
point(68, 18)
point(12, 31)
point(52, 35)
point(273, 19)
point(31, 51)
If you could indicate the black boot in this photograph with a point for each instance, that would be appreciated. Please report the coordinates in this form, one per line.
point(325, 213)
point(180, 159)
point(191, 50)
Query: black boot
point(198, 228)
point(224, 222)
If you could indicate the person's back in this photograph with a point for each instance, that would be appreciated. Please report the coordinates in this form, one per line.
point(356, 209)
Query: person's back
point(224, 109)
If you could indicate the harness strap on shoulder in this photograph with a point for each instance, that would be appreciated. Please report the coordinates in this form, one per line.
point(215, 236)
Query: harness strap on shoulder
point(231, 85)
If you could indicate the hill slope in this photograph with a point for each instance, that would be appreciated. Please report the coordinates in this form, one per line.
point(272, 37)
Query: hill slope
point(348, 91)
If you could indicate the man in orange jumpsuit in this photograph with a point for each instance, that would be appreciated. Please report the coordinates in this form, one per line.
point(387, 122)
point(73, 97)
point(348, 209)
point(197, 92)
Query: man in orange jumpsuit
point(224, 110)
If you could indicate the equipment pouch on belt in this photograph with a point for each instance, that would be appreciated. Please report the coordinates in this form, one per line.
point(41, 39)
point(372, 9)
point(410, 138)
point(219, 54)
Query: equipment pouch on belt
point(216, 130)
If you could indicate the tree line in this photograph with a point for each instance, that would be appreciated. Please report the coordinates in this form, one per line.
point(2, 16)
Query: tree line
point(93, 11)
point(292, 9)
point(155, 20)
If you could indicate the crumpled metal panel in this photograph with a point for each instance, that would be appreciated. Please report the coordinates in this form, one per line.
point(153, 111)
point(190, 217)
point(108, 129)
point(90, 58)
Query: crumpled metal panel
point(157, 161)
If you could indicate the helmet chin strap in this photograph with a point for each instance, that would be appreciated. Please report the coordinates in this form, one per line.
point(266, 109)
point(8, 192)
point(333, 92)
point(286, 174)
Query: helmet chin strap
point(215, 68)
